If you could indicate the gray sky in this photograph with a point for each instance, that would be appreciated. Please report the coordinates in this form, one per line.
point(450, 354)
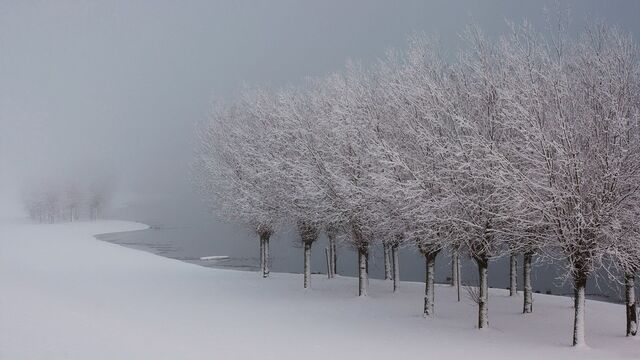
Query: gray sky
point(123, 82)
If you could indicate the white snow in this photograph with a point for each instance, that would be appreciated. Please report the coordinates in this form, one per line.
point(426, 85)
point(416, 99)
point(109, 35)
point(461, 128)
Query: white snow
point(215, 257)
point(66, 295)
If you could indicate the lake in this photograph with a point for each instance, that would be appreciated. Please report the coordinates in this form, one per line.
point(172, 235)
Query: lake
point(181, 229)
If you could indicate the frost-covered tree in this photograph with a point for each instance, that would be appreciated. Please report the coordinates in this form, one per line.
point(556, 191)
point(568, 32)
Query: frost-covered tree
point(33, 200)
point(414, 88)
point(65, 196)
point(100, 190)
point(304, 183)
point(352, 156)
point(480, 201)
point(626, 259)
point(527, 68)
point(234, 168)
point(73, 200)
point(579, 124)
point(525, 145)
point(605, 78)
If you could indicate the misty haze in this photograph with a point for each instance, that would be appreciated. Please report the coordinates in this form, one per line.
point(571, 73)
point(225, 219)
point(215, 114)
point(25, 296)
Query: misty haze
point(319, 180)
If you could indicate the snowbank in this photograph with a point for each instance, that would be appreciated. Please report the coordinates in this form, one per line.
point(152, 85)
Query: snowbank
point(66, 295)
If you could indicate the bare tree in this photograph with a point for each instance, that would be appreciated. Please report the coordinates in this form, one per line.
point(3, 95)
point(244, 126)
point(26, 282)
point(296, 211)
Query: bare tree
point(577, 115)
point(233, 169)
point(528, 145)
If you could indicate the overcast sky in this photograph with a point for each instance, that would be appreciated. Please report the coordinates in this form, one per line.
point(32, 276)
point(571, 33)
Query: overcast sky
point(121, 83)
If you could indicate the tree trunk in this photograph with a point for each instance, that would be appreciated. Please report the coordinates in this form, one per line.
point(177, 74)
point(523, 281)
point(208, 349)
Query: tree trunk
point(528, 289)
point(335, 258)
point(327, 254)
point(429, 291)
point(308, 234)
point(513, 275)
point(483, 305)
point(267, 257)
point(396, 267)
point(363, 276)
point(387, 261)
point(454, 267)
point(307, 265)
point(630, 297)
point(455, 270)
point(333, 255)
point(262, 255)
point(368, 278)
point(580, 285)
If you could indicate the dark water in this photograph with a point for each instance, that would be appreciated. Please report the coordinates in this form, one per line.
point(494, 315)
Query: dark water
point(181, 229)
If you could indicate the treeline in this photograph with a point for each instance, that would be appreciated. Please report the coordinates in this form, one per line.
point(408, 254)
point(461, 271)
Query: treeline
point(67, 199)
point(528, 144)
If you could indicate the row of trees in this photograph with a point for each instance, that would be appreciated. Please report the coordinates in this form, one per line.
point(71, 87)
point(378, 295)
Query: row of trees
point(529, 144)
point(67, 199)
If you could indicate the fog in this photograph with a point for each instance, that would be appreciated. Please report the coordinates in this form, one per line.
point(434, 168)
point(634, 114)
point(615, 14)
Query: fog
point(120, 84)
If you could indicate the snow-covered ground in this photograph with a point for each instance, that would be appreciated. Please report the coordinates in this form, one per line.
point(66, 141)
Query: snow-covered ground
point(66, 295)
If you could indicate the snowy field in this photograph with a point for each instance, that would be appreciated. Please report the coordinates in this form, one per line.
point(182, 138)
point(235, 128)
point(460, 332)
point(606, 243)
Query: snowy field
point(66, 295)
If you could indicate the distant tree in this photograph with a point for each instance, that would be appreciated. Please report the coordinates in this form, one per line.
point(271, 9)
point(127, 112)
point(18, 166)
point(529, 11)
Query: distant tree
point(73, 199)
point(66, 195)
point(99, 195)
point(34, 202)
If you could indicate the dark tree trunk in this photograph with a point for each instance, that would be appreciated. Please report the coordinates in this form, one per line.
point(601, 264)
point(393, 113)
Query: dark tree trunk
point(455, 267)
point(630, 299)
point(333, 255)
point(429, 291)
point(396, 267)
point(513, 275)
point(264, 253)
point(327, 254)
point(483, 297)
point(307, 264)
point(363, 274)
point(455, 270)
point(528, 289)
point(387, 261)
